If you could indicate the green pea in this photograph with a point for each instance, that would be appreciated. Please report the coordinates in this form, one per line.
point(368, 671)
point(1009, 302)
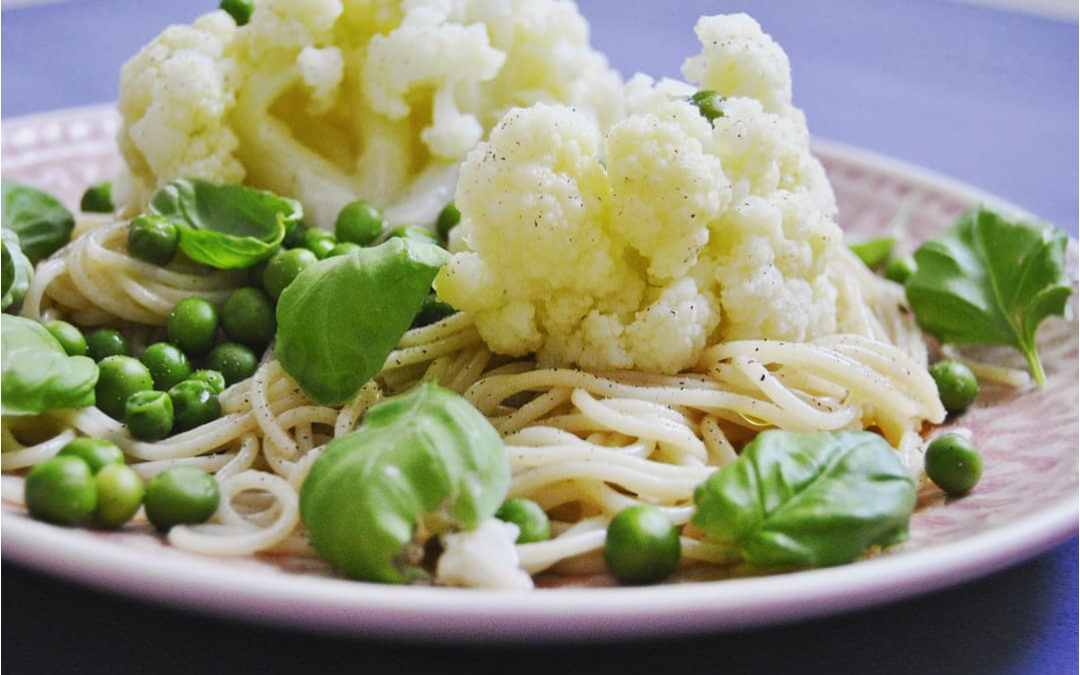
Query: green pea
point(119, 495)
point(284, 268)
point(149, 415)
point(448, 219)
point(709, 103)
point(642, 545)
point(98, 453)
point(248, 317)
point(193, 326)
point(414, 233)
point(104, 343)
point(213, 378)
point(533, 524)
point(342, 248)
point(97, 199)
point(182, 495)
point(153, 238)
point(956, 385)
point(953, 463)
point(235, 362)
point(239, 10)
point(61, 490)
point(901, 269)
point(432, 311)
point(194, 404)
point(69, 337)
point(167, 365)
point(318, 242)
point(360, 222)
point(118, 378)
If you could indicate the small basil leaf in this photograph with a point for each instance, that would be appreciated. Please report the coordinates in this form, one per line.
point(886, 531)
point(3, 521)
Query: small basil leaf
point(226, 226)
point(426, 458)
point(990, 280)
point(808, 499)
point(37, 374)
point(17, 270)
point(341, 317)
point(873, 252)
point(41, 222)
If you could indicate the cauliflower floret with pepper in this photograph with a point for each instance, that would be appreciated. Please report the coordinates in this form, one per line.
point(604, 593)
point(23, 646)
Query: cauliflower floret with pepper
point(329, 101)
point(669, 234)
point(176, 94)
point(739, 60)
point(667, 186)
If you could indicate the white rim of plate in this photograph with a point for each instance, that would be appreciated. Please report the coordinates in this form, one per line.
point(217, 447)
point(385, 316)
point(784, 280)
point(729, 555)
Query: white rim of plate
point(568, 614)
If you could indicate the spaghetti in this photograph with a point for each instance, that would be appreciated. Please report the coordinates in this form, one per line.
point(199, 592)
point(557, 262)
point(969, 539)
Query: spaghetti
point(582, 445)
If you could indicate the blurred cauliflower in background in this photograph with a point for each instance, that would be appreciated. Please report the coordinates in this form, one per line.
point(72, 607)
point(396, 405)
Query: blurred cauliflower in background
point(328, 101)
point(635, 245)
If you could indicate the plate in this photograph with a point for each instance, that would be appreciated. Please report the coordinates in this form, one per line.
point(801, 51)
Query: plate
point(1026, 502)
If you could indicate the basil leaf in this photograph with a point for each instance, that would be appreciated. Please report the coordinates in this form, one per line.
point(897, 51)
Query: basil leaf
point(808, 499)
point(990, 280)
point(341, 317)
point(42, 222)
point(226, 226)
point(37, 374)
point(422, 463)
point(17, 269)
point(873, 252)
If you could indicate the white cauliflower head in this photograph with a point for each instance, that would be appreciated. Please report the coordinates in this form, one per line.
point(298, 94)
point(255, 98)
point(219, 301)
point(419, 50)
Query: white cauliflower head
point(329, 101)
point(638, 245)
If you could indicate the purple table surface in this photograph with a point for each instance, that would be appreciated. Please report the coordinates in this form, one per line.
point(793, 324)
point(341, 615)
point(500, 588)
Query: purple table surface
point(983, 95)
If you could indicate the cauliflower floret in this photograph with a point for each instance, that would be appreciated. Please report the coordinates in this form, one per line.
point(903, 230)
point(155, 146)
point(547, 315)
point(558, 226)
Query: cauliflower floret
point(545, 60)
point(483, 558)
point(545, 160)
point(283, 27)
point(559, 255)
point(176, 95)
point(329, 101)
point(322, 70)
point(667, 186)
point(638, 250)
point(739, 59)
point(442, 56)
point(769, 259)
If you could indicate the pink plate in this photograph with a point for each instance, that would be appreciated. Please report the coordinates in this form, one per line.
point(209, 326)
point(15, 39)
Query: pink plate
point(1025, 504)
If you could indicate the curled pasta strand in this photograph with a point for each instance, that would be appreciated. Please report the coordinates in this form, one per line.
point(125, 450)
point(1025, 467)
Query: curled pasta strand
point(239, 541)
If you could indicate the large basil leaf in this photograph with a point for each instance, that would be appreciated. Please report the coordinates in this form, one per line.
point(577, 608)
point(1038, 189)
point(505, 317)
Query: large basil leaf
point(990, 280)
point(425, 459)
point(226, 226)
point(808, 499)
point(17, 269)
point(37, 374)
point(341, 317)
point(42, 222)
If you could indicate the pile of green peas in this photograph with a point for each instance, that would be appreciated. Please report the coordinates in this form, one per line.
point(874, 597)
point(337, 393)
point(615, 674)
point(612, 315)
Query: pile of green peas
point(155, 239)
point(89, 482)
point(161, 392)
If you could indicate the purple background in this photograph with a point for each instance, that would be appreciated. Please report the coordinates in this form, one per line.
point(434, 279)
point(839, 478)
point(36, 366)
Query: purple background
point(987, 96)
